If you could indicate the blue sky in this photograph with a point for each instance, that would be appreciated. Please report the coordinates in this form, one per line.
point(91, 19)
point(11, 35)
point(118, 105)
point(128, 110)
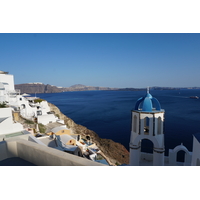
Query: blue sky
point(102, 59)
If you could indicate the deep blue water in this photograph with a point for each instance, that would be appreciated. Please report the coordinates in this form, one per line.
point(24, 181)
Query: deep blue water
point(108, 113)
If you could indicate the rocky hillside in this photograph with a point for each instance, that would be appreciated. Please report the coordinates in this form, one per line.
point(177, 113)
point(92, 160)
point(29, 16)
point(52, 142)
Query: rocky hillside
point(37, 88)
point(79, 87)
point(42, 88)
point(115, 152)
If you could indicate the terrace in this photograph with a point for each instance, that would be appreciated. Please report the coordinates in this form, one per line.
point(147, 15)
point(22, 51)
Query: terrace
point(19, 151)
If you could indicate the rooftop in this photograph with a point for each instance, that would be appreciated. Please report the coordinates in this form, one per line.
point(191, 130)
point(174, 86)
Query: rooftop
point(2, 72)
point(148, 103)
point(18, 151)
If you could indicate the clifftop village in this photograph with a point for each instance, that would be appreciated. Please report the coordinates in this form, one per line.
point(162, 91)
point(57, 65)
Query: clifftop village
point(22, 142)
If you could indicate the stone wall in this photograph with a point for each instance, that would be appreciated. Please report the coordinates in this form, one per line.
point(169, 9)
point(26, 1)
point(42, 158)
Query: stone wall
point(41, 155)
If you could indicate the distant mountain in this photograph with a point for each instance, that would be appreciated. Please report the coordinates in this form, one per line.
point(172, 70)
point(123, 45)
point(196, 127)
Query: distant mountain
point(78, 86)
point(37, 88)
point(42, 88)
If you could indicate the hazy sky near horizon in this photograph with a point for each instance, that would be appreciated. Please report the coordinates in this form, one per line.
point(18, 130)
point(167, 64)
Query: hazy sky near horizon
point(102, 59)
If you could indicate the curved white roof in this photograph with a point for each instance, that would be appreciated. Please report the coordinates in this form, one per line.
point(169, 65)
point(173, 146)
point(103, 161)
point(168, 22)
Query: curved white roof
point(65, 138)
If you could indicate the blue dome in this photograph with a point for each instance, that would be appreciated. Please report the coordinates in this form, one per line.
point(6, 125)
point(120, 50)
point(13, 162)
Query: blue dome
point(147, 103)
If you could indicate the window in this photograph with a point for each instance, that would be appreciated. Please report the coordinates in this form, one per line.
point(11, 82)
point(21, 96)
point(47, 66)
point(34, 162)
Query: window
point(159, 131)
point(78, 137)
point(135, 123)
point(146, 125)
point(180, 156)
point(39, 112)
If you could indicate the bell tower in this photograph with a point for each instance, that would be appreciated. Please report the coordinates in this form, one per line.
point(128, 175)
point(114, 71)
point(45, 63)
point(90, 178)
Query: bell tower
point(147, 123)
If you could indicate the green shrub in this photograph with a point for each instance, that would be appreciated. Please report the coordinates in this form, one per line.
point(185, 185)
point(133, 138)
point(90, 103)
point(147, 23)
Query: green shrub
point(57, 115)
point(3, 105)
point(42, 128)
point(29, 121)
point(38, 100)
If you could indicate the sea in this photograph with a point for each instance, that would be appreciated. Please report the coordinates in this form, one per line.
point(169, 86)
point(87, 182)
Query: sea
point(108, 113)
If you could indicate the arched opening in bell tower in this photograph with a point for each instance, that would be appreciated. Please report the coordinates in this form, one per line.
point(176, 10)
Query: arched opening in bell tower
point(147, 146)
point(146, 157)
point(159, 125)
point(146, 125)
point(180, 156)
point(135, 123)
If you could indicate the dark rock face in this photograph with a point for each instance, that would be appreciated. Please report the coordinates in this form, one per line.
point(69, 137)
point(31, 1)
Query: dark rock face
point(115, 152)
point(79, 87)
point(42, 88)
point(37, 88)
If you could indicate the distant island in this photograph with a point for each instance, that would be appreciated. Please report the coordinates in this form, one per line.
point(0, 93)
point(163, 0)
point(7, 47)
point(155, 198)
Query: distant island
point(42, 88)
point(47, 88)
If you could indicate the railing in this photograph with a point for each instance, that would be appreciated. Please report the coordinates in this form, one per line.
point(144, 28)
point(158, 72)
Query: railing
point(13, 93)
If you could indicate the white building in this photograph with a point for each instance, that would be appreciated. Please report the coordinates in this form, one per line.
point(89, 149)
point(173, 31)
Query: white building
point(147, 123)
point(196, 150)
point(26, 106)
point(7, 125)
point(7, 90)
point(18, 146)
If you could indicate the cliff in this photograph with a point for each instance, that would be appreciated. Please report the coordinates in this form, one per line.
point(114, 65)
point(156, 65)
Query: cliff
point(42, 88)
point(79, 87)
point(37, 88)
point(115, 152)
